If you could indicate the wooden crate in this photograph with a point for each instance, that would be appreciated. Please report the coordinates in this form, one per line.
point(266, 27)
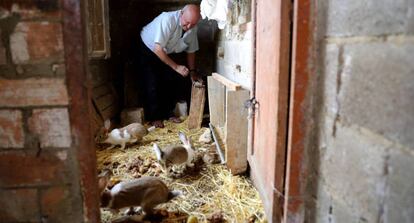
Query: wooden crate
point(227, 112)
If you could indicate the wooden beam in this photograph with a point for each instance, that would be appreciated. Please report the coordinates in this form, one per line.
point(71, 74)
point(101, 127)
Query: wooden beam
point(197, 106)
point(236, 131)
point(231, 85)
point(216, 101)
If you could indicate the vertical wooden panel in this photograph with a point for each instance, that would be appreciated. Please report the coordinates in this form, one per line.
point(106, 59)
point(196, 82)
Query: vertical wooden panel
point(216, 100)
point(236, 131)
point(271, 92)
point(198, 98)
point(98, 28)
point(79, 110)
point(303, 42)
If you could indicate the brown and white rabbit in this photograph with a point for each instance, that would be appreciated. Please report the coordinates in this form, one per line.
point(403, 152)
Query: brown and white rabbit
point(176, 154)
point(129, 134)
point(145, 192)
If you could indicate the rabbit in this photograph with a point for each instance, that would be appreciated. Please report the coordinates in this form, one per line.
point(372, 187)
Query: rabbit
point(146, 192)
point(129, 134)
point(176, 154)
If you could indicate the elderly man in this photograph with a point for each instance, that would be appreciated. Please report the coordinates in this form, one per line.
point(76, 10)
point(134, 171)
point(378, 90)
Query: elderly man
point(170, 32)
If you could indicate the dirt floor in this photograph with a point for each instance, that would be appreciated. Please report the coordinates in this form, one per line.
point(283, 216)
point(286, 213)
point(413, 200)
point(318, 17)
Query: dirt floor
point(210, 192)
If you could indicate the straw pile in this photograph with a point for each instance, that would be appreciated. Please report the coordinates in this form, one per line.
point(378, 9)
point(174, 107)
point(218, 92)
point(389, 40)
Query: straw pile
point(210, 192)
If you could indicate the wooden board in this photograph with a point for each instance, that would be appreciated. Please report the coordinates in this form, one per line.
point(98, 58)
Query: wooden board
point(196, 106)
point(236, 131)
point(230, 85)
point(105, 100)
point(216, 101)
point(267, 161)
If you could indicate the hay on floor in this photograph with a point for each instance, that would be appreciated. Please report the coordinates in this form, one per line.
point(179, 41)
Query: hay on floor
point(209, 192)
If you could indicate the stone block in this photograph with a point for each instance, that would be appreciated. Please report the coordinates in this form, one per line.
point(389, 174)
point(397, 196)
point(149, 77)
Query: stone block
point(11, 129)
point(51, 126)
point(352, 167)
point(33, 92)
point(132, 115)
point(330, 79)
point(369, 17)
point(19, 169)
point(378, 88)
point(34, 41)
point(19, 205)
point(399, 202)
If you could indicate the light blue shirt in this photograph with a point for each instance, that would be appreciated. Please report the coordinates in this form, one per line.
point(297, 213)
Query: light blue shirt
point(166, 30)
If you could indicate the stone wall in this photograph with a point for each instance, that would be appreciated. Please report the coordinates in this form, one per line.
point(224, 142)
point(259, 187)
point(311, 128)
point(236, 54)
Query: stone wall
point(234, 55)
point(38, 180)
point(365, 161)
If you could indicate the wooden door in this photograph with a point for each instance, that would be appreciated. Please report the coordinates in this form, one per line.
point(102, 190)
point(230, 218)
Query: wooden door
point(267, 156)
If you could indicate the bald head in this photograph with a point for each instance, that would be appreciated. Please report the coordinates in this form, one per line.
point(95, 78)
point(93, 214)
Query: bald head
point(190, 15)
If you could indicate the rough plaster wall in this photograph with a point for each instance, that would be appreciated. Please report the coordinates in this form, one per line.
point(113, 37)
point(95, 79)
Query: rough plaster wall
point(366, 144)
point(234, 58)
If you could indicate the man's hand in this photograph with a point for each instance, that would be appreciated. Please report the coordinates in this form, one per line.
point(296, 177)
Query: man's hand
point(195, 77)
point(183, 70)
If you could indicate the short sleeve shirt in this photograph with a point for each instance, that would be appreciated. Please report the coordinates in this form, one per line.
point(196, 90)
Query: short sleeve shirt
point(166, 30)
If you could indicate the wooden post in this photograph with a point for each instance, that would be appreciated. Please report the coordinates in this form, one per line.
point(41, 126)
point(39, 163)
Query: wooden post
point(236, 130)
point(216, 101)
point(197, 105)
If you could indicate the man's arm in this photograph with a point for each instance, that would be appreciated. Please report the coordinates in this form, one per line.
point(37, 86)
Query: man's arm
point(159, 51)
point(191, 66)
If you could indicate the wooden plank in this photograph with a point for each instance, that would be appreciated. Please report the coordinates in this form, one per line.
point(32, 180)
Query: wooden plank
point(197, 106)
point(267, 162)
point(216, 101)
point(302, 71)
point(100, 91)
point(231, 85)
point(105, 100)
point(236, 131)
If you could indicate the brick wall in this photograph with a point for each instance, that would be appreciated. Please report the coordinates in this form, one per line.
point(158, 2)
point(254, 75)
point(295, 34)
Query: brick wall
point(38, 180)
point(365, 160)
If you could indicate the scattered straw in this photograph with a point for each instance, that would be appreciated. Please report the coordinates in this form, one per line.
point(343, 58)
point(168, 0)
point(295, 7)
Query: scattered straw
point(210, 191)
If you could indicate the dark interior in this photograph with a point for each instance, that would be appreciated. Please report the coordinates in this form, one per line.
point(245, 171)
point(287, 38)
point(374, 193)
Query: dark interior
point(126, 18)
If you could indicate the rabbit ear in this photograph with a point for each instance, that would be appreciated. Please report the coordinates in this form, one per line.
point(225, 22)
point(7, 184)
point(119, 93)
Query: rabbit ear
point(103, 180)
point(183, 138)
point(107, 124)
point(157, 151)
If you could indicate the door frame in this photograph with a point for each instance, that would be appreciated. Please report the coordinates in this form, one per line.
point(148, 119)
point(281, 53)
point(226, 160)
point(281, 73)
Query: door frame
point(269, 178)
point(76, 65)
point(298, 129)
point(300, 114)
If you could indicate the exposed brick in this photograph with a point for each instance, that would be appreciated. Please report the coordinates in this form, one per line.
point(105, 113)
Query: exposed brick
point(377, 91)
point(33, 92)
point(11, 129)
point(55, 204)
point(51, 126)
point(33, 41)
point(20, 205)
point(18, 168)
point(44, 9)
point(369, 17)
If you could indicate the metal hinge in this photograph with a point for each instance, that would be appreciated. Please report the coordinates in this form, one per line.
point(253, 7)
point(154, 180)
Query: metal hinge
point(252, 104)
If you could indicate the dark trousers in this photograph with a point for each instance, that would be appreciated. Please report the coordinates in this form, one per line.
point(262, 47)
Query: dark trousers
point(161, 86)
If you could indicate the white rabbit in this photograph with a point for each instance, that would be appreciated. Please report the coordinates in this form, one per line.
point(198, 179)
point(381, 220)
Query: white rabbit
point(128, 134)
